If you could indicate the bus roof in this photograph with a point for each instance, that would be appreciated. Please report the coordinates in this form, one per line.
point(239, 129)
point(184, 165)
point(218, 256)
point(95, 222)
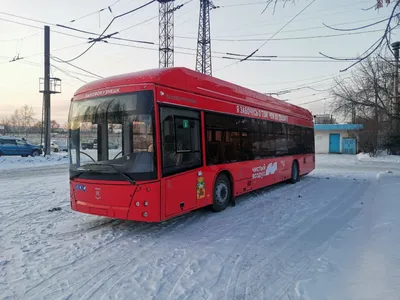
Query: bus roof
point(191, 81)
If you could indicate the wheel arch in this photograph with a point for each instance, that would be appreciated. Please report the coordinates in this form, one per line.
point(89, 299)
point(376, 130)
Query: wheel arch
point(230, 177)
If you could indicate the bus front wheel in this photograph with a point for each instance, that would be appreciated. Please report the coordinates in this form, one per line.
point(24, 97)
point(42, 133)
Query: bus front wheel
point(295, 172)
point(222, 193)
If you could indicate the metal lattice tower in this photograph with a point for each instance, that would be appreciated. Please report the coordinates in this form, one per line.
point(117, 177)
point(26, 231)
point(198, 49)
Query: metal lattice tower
point(166, 33)
point(203, 57)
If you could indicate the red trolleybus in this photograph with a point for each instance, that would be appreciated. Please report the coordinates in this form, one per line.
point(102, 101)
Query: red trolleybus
point(163, 142)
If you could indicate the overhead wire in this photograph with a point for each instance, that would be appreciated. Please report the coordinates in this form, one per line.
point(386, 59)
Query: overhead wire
point(101, 36)
point(96, 12)
point(360, 27)
point(266, 23)
point(264, 43)
point(300, 29)
point(41, 28)
point(68, 74)
point(57, 59)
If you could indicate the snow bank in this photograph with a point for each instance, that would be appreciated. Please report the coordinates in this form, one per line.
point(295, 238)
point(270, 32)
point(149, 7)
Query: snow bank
point(381, 157)
point(17, 162)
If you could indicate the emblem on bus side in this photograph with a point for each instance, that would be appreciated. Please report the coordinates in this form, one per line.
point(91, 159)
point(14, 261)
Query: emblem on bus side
point(200, 187)
point(97, 193)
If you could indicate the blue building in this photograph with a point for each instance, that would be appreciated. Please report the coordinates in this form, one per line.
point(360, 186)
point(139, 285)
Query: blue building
point(336, 138)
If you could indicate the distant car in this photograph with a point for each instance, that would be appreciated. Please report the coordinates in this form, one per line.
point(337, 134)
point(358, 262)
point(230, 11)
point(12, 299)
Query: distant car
point(93, 145)
point(61, 145)
point(54, 147)
point(18, 146)
point(112, 145)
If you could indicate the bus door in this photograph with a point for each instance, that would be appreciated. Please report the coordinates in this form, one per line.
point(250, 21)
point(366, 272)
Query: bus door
point(182, 182)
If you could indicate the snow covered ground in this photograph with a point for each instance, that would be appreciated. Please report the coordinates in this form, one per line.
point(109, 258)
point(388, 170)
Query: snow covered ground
point(18, 162)
point(333, 235)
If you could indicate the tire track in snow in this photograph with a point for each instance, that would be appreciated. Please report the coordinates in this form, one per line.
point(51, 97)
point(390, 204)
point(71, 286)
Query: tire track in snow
point(290, 248)
point(240, 286)
point(102, 248)
point(343, 217)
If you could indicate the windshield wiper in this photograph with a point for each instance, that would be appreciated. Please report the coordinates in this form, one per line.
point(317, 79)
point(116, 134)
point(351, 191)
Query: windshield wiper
point(127, 177)
point(76, 175)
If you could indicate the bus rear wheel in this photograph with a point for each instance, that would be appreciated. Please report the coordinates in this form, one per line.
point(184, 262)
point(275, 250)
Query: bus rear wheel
point(222, 193)
point(295, 172)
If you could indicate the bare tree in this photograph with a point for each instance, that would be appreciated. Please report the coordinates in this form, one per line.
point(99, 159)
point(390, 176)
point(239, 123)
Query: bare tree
point(379, 45)
point(26, 114)
point(366, 97)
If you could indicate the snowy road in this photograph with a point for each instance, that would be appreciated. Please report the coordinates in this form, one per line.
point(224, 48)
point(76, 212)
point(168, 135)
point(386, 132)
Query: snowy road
point(333, 235)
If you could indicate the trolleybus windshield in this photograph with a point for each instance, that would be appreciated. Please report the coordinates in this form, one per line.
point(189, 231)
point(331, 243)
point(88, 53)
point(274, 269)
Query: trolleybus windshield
point(113, 138)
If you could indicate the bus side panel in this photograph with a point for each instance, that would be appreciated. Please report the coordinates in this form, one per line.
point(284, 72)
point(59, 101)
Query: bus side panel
point(256, 174)
point(307, 163)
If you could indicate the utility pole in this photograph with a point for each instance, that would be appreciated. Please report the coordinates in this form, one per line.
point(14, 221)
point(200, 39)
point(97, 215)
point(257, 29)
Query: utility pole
point(46, 92)
point(166, 33)
point(376, 129)
point(47, 86)
point(203, 56)
point(396, 100)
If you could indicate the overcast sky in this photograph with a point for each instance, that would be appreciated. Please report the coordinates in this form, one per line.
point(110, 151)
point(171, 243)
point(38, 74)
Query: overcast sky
point(231, 24)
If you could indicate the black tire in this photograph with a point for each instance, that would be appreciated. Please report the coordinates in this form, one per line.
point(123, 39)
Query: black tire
point(24, 155)
point(35, 153)
point(222, 193)
point(295, 172)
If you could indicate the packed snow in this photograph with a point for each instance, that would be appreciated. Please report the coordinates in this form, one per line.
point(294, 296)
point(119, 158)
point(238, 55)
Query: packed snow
point(18, 162)
point(381, 156)
point(333, 235)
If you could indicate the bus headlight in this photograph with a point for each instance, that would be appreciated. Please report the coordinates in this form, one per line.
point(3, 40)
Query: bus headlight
point(137, 203)
point(146, 203)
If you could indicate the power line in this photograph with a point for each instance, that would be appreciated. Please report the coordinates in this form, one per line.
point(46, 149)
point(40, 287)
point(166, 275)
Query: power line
point(287, 38)
point(361, 27)
point(263, 23)
point(140, 23)
point(283, 27)
point(28, 19)
point(59, 60)
point(263, 44)
point(18, 39)
point(293, 81)
point(314, 101)
point(375, 46)
point(41, 28)
point(102, 37)
point(107, 36)
point(241, 4)
point(304, 86)
point(297, 30)
point(68, 74)
point(96, 12)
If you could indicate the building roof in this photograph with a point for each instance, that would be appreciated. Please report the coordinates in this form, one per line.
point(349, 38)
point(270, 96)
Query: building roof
point(194, 82)
point(332, 127)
